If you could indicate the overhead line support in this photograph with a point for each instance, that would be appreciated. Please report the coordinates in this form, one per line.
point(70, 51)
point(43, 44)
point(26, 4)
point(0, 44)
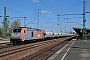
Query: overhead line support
point(59, 22)
point(38, 13)
point(84, 20)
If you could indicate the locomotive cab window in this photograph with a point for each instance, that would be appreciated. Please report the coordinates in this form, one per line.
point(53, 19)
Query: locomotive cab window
point(16, 30)
point(31, 34)
point(24, 31)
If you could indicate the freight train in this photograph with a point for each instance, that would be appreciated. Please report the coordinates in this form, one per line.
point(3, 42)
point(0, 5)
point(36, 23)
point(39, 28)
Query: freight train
point(27, 34)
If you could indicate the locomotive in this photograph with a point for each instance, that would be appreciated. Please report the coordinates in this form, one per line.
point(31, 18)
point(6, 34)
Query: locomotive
point(22, 34)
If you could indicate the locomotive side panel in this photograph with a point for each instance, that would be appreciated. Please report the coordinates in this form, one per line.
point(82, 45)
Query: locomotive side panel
point(27, 35)
point(33, 35)
point(22, 34)
point(40, 34)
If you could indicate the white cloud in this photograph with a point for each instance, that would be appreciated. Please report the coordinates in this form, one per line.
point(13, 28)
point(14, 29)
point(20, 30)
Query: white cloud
point(46, 12)
point(35, 0)
point(43, 11)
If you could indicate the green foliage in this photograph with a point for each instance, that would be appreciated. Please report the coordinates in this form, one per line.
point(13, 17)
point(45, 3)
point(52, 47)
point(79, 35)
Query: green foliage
point(0, 31)
point(6, 29)
point(15, 24)
point(6, 23)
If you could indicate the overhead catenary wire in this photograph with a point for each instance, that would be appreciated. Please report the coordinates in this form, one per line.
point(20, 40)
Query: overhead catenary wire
point(72, 7)
point(19, 5)
point(48, 7)
point(71, 21)
point(22, 14)
point(30, 22)
point(16, 12)
point(70, 14)
point(13, 3)
point(12, 9)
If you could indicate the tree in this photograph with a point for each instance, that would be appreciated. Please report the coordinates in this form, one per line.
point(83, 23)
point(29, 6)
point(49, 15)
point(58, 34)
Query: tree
point(15, 24)
point(0, 32)
point(5, 27)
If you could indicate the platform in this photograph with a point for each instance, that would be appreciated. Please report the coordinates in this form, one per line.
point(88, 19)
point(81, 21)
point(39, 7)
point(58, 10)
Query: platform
point(74, 50)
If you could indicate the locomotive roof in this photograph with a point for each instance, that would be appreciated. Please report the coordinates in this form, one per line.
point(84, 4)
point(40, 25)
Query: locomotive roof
point(32, 29)
point(29, 28)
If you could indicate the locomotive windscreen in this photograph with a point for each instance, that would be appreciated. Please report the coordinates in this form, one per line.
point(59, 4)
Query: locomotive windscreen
point(16, 30)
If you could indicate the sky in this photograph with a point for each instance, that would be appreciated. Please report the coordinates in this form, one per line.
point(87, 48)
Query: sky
point(46, 12)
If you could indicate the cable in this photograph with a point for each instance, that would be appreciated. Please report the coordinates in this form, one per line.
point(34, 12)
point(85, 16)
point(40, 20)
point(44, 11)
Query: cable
point(13, 3)
point(72, 7)
point(71, 21)
point(47, 7)
point(19, 5)
point(16, 11)
point(13, 10)
point(30, 21)
point(50, 4)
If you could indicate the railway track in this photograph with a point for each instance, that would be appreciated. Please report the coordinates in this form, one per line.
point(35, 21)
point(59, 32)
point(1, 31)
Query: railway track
point(5, 45)
point(12, 51)
point(28, 50)
point(44, 55)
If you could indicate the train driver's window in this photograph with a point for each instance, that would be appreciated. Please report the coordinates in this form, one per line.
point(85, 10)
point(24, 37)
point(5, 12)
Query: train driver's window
point(32, 34)
point(24, 31)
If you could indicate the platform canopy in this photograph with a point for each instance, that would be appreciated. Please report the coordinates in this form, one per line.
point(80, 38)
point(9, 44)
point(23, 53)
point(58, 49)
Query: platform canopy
point(80, 31)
